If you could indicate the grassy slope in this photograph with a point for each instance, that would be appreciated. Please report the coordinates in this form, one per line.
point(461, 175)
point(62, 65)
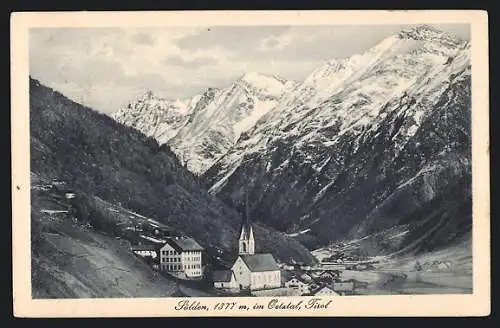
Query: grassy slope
point(73, 259)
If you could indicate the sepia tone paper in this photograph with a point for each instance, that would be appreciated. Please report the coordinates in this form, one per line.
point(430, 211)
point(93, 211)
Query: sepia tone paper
point(475, 304)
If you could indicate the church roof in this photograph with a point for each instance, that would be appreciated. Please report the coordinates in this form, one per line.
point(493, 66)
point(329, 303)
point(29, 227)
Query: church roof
point(260, 262)
point(184, 244)
point(222, 275)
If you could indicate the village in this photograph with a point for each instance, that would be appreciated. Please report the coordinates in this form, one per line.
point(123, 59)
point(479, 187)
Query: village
point(340, 269)
point(252, 274)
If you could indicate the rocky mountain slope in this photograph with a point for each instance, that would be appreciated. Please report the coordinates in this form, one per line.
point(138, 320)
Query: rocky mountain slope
point(203, 128)
point(377, 141)
point(364, 144)
point(98, 157)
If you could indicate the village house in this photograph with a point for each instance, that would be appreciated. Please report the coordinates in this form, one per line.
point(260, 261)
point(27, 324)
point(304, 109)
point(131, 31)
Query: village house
point(225, 280)
point(307, 278)
point(182, 256)
point(145, 250)
point(297, 283)
point(254, 271)
point(329, 276)
point(69, 195)
point(324, 291)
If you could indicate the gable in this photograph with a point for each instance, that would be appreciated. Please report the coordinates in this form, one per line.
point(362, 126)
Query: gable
point(326, 290)
point(239, 264)
point(167, 247)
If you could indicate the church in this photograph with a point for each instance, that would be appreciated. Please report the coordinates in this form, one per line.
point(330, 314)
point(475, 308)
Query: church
point(252, 271)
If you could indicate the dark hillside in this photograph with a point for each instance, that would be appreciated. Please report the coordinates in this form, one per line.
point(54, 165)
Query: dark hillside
point(97, 156)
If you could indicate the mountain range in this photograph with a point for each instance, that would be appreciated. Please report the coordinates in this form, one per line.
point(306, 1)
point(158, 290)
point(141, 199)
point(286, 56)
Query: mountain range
point(374, 146)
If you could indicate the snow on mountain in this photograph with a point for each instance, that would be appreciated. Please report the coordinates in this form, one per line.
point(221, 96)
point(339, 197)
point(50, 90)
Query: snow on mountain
point(358, 137)
point(338, 153)
point(156, 117)
point(350, 95)
point(205, 127)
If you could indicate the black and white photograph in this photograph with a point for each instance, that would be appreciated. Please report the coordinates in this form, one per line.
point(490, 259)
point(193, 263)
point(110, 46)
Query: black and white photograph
point(241, 161)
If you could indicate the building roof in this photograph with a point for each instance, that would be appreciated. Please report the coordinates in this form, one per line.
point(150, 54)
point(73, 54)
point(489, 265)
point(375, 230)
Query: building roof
point(260, 262)
point(222, 275)
point(302, 280)
point(184, 244)
point(332, 274)
point(320, 288)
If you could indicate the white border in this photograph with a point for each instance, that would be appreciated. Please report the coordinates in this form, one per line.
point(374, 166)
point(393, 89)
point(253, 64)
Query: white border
point(476, 304)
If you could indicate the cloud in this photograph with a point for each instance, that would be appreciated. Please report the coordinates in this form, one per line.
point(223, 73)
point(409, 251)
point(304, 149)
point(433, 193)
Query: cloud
point(230, 38)
point(189, 63)
point(106, 67)
point(144, 39)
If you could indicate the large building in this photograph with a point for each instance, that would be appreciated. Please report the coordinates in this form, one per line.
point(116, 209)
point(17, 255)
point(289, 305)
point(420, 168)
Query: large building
point(253, 271)
point(182, 256)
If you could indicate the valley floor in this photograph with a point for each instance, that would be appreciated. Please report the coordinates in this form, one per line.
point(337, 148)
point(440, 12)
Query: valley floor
point(396, 274)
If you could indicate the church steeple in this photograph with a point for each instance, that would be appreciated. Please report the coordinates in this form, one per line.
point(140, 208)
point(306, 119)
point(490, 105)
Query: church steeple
point(246, 242)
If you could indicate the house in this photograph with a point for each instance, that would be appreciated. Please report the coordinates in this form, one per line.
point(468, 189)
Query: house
point(145, 250)
point(254, 271)
point(69, 195)
point(307, 278)
point(225, 280)
point(329, 276)
point(445, 266)
point(181, 255)
point(297, 283)
point(324, 291)
point(344, 288)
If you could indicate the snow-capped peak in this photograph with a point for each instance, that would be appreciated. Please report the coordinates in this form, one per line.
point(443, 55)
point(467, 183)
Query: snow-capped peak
point(270, 85)
point(147, 95)
point(429, 33)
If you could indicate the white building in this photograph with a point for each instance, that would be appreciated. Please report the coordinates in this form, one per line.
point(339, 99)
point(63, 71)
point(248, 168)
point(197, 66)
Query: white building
point(257, 271)
point(254, 271)
point(145, 250)
point(225, 279)
point(298, 284)
point(182, 256)
point(325, 290)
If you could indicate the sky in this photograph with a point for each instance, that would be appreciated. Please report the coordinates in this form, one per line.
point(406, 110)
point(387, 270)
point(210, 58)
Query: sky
point(106, 68)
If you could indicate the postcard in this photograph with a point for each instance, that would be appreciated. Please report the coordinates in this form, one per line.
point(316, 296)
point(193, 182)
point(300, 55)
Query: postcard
point(250, 163)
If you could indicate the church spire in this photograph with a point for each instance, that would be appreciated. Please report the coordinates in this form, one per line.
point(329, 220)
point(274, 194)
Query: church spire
point(246, 243)
point(247, 210)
